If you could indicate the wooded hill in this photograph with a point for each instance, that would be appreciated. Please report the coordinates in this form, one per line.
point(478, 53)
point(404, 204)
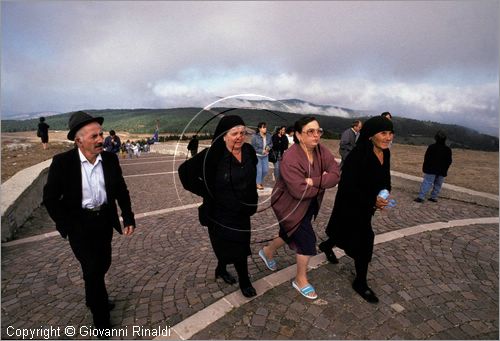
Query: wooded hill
point(191, 120)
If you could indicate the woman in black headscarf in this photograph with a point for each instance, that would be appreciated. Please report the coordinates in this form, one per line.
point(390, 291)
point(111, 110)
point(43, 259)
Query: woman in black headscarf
point(366, 171)
point(43, 132)
point(224, 175)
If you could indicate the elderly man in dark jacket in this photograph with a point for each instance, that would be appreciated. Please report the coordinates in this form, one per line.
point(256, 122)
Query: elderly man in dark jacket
point(83, 187)
point(437, 160)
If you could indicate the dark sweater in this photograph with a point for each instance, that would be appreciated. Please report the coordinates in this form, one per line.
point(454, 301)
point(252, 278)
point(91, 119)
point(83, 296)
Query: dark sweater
point(437, 159)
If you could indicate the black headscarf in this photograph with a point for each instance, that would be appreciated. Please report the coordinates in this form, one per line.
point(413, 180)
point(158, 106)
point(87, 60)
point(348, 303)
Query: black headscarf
point(216, 150)
point(371, 127)
point(226, 123)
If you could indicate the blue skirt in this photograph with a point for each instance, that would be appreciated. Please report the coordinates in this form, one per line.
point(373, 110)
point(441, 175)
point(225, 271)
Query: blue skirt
point(303, 240)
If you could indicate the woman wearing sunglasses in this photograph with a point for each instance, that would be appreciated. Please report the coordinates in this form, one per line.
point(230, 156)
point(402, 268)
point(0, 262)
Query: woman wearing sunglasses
point(307, 170)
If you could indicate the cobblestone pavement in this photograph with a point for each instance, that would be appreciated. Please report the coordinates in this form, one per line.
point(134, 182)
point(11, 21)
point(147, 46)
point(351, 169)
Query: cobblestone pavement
point(436, 285)
point(164, 273)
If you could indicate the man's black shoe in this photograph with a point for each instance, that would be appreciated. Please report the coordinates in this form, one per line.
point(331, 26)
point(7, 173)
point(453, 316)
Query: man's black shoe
point(418, 200)
point(433, 200)
point(102, 324)
point(226, 276)
point(364, 291)
point(330, 255)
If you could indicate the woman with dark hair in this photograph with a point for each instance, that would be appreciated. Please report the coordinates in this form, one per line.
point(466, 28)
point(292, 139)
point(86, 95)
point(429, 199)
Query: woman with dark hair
point(262, 143)
point(387, 115)
point(224, 175)
point(280, 144)
point(307, 170)
point(43, 132)
point(366, 171)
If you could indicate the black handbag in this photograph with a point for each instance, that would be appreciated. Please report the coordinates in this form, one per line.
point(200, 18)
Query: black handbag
point(203, 216)
point(273, 156)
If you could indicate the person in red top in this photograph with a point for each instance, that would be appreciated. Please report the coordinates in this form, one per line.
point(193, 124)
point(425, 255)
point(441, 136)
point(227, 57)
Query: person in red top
point(307, 170)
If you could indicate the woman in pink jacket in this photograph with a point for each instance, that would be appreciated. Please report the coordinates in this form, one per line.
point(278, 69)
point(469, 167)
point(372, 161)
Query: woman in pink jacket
point(307, 169)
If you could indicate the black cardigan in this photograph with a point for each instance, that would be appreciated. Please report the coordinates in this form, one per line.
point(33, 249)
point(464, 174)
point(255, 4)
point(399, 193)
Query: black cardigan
point(198, 175)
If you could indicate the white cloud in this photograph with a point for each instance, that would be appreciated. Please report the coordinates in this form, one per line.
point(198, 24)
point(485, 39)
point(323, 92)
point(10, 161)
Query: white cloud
point(430, 60)
point(352, 93)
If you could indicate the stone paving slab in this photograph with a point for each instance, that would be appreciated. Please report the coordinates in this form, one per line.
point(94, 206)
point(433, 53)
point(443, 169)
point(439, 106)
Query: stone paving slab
point(435, 285)
point(164, 273)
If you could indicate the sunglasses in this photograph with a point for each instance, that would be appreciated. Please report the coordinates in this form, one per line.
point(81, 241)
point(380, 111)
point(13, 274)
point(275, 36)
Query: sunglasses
point(311, 132)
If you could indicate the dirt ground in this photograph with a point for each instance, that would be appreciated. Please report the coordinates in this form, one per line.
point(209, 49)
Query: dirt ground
point(24, 149)
point(471, 169)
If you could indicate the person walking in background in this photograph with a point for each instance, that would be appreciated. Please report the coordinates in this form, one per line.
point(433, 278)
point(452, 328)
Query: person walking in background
point(43, 132)
point(193, 146)
point(348, 140)
point(280, 144)
point(156, 134)
point(129, 149)
point(365, 173)
point(123, 150)
point(387, 115)
point(262, 143)
point(307, 170)
point(437, 160)
point(112, 142)
point(289, 136)
point(224, 175)
point(82, 189)
point(136, 149)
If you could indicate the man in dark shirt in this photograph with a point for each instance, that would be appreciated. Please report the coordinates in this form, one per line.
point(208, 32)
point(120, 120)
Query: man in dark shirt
point(437, 160)
point(348, 139)
point(112, 143)
point(193, 146)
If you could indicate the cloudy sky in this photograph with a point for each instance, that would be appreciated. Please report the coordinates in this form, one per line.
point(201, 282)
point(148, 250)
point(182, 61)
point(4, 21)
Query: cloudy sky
point(427, 60)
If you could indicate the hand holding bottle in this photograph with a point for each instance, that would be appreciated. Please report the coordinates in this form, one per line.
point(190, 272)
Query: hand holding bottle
point(384, 194)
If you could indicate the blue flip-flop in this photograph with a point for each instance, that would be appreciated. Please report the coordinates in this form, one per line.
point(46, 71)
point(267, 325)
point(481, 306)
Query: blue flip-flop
point(305, 291)
point(270, 263)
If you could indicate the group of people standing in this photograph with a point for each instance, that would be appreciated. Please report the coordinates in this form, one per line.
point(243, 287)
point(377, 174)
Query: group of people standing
point(113, 144)
point(270, 148)
point(85, 184)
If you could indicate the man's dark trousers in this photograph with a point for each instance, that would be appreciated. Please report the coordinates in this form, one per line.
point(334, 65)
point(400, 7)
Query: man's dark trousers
point(91, 244)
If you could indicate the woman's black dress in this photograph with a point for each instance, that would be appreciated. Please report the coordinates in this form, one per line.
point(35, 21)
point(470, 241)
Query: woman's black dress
point(361, 180)
point(233, 201)
point(44, 131)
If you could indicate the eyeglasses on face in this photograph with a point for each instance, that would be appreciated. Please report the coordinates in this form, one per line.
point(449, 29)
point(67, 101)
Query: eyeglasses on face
point(311, 132)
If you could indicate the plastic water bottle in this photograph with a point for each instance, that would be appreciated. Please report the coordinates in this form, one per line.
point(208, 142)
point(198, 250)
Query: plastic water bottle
point(384, 194)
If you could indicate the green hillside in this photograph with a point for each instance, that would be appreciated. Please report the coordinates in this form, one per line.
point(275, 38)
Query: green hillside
point(175, 121)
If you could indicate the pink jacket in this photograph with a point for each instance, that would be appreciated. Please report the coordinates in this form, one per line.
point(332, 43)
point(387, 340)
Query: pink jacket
point(291, 195)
